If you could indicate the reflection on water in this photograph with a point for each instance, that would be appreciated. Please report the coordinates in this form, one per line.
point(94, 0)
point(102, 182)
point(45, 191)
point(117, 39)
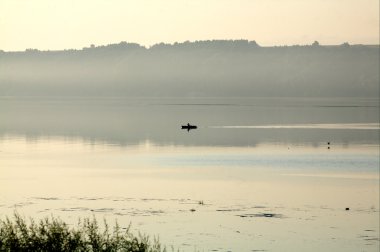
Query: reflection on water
point(280, 182)
point(342, 126)
point(202, 196)
point(132, 121)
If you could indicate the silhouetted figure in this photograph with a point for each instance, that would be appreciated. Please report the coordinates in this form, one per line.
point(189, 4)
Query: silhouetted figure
point(189, 127)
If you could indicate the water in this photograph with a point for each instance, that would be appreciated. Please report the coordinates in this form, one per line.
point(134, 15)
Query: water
point(272, 174)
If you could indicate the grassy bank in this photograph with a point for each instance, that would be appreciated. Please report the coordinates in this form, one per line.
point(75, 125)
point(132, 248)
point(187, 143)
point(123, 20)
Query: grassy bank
point(52, 234)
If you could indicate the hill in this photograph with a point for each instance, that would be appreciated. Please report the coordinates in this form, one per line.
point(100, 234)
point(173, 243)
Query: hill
point(218, 68)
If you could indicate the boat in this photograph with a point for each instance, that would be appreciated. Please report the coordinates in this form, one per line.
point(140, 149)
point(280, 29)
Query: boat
point(189, 127)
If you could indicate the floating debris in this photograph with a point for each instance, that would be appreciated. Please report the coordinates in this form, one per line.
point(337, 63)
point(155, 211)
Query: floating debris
point(46, 198)
point(266, 215)
point(229, 210)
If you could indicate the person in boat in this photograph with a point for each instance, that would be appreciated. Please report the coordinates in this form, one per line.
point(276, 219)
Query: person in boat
point(189, 127)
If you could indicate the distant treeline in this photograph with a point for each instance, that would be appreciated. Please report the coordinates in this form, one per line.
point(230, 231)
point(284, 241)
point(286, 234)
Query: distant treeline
point(193, 69)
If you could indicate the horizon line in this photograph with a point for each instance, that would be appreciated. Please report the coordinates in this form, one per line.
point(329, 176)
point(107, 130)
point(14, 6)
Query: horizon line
point(93, 46)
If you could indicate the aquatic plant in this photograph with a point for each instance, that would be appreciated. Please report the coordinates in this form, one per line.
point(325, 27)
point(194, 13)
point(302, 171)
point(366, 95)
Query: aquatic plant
point(52, 234)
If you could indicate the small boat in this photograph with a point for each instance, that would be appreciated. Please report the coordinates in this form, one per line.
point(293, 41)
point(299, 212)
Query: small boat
point(189, 127)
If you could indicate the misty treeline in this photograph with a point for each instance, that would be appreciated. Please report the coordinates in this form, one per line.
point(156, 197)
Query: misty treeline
point(217, 68)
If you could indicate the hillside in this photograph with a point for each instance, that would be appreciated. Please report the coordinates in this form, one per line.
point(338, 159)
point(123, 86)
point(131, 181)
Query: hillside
point(193, 69)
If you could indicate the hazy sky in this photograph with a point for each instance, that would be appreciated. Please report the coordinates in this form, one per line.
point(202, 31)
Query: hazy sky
point(59, 24)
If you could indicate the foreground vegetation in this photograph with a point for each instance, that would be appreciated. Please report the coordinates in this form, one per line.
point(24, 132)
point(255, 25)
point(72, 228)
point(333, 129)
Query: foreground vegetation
point(52, 234)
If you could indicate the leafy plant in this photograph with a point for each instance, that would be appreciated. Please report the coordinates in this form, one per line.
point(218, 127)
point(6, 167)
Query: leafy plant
point(52, 234)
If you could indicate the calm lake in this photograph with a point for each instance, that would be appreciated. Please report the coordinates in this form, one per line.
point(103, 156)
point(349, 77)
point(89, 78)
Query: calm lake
point(259, 174)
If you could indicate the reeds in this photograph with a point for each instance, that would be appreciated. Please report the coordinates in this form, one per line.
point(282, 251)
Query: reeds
point(52, 234)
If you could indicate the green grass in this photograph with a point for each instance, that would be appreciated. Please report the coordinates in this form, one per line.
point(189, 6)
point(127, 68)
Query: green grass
point(52, 234)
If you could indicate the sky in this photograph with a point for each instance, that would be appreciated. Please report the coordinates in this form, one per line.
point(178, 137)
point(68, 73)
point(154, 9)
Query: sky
point(65, 24)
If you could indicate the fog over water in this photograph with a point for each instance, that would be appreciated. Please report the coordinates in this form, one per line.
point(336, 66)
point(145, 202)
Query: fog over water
point(287, 140)
point(221, 122)
point(126, 93)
